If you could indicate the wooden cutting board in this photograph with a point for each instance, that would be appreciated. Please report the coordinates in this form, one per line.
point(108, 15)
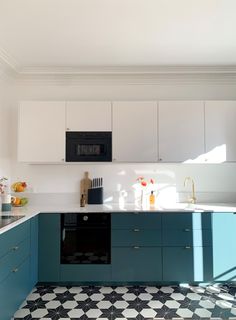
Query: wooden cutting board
point(85, 184)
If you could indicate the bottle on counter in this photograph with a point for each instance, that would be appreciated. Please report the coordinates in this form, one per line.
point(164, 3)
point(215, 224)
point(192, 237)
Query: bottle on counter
point(152, 199)
point(82, 200)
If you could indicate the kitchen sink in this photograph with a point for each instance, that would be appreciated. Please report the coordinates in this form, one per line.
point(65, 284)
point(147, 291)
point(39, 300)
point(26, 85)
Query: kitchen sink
point(184, 207)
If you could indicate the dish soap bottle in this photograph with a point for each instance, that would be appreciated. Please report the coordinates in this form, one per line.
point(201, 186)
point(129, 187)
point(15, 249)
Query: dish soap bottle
point(152, 199)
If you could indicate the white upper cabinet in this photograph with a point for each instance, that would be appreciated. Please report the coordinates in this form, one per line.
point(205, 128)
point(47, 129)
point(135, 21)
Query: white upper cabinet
point(220, 131)
point(41, 135)
point(88, 116)
point(135, 131)
point(181, 131)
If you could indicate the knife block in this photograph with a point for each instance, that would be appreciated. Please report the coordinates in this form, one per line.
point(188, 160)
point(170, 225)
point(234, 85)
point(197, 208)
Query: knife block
point(95, 196)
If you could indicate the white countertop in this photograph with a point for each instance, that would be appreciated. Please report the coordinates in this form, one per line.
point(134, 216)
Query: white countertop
point(31, 211)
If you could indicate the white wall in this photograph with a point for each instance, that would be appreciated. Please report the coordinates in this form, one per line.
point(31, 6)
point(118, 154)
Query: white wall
point(6, 106)
point(218, 178)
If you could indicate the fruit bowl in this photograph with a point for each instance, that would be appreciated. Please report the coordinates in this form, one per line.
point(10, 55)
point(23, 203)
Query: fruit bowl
point(19, 186)
point(19, 202)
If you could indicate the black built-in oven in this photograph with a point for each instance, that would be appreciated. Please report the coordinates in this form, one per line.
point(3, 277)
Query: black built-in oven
point(86, 238)
point(82, 146)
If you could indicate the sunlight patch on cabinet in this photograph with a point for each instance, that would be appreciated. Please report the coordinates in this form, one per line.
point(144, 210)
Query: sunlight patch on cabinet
point(216, 155)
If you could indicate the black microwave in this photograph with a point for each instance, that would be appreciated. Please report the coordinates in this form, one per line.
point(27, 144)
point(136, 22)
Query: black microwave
point(94, 146)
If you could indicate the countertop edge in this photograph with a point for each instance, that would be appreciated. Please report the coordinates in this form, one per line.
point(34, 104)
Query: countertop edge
point(31, 211)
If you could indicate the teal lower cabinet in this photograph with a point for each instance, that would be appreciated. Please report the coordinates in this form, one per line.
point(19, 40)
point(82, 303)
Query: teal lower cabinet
point(224, 246)
point(136, 253)
point(18, 266)
point(136, 264)
point(178, 264)
point(187, 247)
point(187, 264)
point(85, 273)
point(49, 247)
point(14, 289)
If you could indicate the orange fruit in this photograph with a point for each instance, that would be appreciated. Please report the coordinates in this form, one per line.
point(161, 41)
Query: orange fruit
point(19, 188)
point(17, 201)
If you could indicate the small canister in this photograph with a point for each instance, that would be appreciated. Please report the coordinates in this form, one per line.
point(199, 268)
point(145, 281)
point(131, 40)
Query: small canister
point(6, 202)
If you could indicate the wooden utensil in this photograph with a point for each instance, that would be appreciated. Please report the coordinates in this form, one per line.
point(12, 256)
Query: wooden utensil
point(85, 184)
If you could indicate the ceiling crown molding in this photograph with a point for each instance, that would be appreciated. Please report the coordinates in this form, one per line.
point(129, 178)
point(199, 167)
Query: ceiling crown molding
point(117, 70)
point(143, 75)
point(125, 78)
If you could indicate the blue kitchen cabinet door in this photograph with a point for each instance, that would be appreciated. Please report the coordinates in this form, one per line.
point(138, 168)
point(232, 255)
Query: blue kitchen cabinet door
point(136, 265)
point(178, 264)
point(187, 264)
point(49, 247)
point(224, 246)
point(186, 220)
point(136, 220)
point(34, 250)
point(138, 237)
point(187, 237)
point(11, 238)
point(14, 289)
point(14, 258)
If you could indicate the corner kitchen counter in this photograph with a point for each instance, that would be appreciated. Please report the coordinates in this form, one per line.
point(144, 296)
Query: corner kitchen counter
point(30, 211)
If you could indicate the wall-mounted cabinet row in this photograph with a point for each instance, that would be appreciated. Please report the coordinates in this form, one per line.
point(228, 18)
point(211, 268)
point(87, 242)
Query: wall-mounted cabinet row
point(142, 131)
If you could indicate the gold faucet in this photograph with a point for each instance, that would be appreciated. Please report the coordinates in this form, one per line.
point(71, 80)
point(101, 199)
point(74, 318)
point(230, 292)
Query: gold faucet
point(193, 198)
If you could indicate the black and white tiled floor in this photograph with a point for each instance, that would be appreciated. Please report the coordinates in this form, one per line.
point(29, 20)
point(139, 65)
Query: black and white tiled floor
point(131, 302)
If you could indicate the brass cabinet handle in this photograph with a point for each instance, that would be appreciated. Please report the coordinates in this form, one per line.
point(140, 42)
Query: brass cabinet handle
point(136, 230)
point(15, 270)
point(15, 248)
point(187, 247)
point(136, 247)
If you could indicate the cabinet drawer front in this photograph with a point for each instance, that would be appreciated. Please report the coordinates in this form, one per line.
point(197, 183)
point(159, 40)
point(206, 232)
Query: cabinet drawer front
point(195, 220)
point(14, 258)
point(13, 237)
point(136, 220)
point(187, 237)
point(182, 264)
point(14, 289)
point(143, 264)
point(177, 220)
point(178, 264)
point(83, 273)
point(136, 237)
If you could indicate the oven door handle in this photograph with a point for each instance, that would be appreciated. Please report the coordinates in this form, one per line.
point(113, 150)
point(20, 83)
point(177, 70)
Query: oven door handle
point(64, 230)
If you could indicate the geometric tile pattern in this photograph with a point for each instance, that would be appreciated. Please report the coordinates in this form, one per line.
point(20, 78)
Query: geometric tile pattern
point(129, 302)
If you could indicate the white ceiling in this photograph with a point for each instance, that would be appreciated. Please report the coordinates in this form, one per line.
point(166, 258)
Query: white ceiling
point(81, 33)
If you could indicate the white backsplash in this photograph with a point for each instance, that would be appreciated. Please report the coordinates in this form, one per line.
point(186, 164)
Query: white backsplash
point(73, 198)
